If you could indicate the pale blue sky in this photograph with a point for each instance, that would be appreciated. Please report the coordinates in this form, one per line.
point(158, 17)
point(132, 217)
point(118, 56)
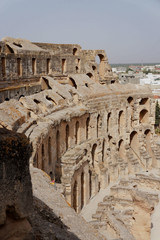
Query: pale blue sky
point(129, 30)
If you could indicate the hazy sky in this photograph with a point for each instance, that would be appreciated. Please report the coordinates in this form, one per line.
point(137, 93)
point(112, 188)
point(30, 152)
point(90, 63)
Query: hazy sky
point(129, 30)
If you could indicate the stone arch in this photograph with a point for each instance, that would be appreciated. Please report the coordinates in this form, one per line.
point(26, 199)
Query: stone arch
point(43, 157)
point(98, 125)
point(57, 146)
point(49, 151)
point(33, 66)
point(77, 133)
point(108, 121)
point(90, 183)
point(121, 149)
point(121, 122)
point(74, 51)
point(130, 100)
point(19, 67)
point(75, 195)
point(63, 65)
point(143, 101)
point(82, 190)
point(101, 64)
point(73, 83)
point(134, 142)
point(143, 116)
point(87, 127)
point(67, 137)
point(48, 65)
point(90, 75)
point(93, 152)
point(103, 150)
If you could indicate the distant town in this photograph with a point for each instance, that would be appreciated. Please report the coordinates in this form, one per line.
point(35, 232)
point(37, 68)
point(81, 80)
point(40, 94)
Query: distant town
point(140, 74)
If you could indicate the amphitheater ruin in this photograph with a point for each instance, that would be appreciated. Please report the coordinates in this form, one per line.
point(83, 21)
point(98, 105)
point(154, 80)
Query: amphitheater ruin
point(89, 134)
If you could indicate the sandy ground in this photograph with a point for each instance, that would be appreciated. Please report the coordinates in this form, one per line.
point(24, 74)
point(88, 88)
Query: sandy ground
point(91, 207)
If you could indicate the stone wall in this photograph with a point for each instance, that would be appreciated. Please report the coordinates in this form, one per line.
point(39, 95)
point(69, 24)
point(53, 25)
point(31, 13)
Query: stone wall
point(85, 133)
point(15, 186)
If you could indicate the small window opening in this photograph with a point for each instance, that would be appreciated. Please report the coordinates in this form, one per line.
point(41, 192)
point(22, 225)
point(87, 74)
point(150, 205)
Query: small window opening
point(74, 51)
point(48, 65)
point(33, 66)
point(63, 65)
point(19, 67)
point(3, 62)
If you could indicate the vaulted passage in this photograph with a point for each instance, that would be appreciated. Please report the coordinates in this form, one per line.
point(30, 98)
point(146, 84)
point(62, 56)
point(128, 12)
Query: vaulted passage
point(67, 137)
point(75, 195)
point(77, 133)
point(143, 116)
point(33, 66)
point(134, 142)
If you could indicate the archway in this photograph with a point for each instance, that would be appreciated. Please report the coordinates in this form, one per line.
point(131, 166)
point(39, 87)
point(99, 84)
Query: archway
point(75, 195)
point(77, 133)
point(143, 116)
point(82, 190)
point(108, 122)
point(98, 125)
point(67, 137)
point(43, 157)
point(134, 142)
point(87, 127)
point(93, 153)
point(121, 149)
point(121, 122)
point(100, 61)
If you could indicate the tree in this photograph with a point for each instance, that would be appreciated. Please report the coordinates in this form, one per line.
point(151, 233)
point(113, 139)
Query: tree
point(157, 114)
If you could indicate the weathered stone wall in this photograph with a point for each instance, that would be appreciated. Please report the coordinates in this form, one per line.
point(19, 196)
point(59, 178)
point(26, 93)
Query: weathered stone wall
point(15, 186)
point(23, 63)
point(86, 131)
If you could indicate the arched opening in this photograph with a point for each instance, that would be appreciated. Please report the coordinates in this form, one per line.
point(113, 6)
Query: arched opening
point(58, 146)
point(19, 67)
point(3, 66)
point(49, 151)
point(108, 121)
point(121, 122)
point(75, 195)
point(130, 100)
point(82, 190)
point(48, 65)
point(33, 66)
point(63, 65)
point(131, 103)
point(43, 157)
point(93, 154)
point(98, 125)
point(77, 133)
point(103, 150)
point(67, 137)
point(90, 183)
point(143, 101)
point(74, 51)
point(94, 68)
point(73, 83)
point(143, 116)
point(134, 142)
point(100, 61)
point(90, 75)
point(87, 128)
point(121, 149)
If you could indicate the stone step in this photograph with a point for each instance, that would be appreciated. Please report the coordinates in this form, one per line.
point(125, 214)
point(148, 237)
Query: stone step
point(97, 216)
point(98, 224)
